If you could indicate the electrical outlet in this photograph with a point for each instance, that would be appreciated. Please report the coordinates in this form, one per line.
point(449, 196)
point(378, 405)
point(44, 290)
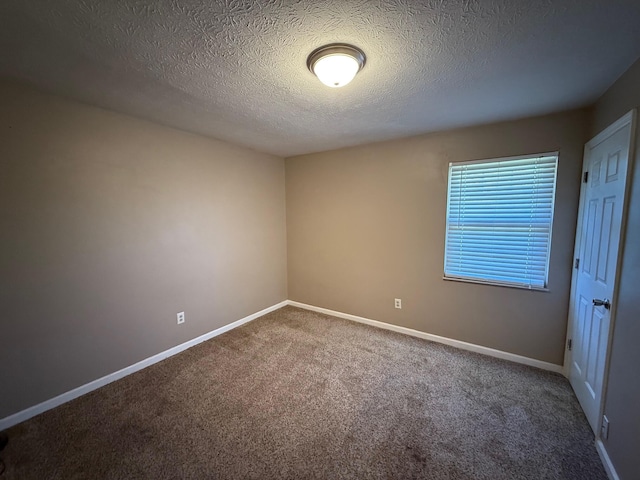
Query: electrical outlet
point(605, 427)
point(398, 303)
point(180, 318)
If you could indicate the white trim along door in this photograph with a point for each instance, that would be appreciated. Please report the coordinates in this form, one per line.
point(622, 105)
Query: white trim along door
point(597, 256)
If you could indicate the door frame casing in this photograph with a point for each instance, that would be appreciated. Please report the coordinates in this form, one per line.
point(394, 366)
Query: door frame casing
point(630, 118)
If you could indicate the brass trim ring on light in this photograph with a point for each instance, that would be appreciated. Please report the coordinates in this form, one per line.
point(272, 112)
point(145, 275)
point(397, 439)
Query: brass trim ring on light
point(336, 48)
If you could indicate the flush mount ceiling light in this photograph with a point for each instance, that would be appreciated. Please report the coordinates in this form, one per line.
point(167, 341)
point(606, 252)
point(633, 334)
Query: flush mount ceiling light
point(335, 65)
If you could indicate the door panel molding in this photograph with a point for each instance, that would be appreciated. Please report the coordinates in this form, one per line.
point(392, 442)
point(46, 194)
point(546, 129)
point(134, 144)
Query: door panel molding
point(606, 170)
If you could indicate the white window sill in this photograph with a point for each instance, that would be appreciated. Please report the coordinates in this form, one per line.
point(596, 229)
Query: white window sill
point(495, 284)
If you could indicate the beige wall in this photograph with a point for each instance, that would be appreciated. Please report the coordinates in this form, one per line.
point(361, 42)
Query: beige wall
point(622, 401)
point(366, 225)
point(623, 95)
point(109, 226)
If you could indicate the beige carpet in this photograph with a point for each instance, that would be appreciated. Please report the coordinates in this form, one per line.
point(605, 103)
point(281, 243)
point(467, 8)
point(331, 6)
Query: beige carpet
point(300, 395)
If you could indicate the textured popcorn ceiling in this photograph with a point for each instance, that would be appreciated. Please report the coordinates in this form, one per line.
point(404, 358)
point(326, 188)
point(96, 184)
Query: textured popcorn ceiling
point(235, 69)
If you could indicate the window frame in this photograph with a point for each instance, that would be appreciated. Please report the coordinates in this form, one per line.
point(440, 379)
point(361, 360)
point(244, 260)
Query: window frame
point(499, 283)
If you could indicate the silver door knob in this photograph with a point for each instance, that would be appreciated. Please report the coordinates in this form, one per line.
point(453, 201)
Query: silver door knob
point(602, 303)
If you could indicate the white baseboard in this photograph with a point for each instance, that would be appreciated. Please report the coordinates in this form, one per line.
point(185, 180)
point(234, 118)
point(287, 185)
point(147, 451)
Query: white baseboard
point(30, 412)
point(89, 387)
point(552, 367)
point(606, 461)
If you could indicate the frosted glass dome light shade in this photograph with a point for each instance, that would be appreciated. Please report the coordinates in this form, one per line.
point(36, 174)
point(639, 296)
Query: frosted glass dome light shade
point(336, 70)
point(337, 64)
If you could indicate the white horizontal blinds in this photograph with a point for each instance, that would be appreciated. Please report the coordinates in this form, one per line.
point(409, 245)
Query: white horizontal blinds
point(499, 219)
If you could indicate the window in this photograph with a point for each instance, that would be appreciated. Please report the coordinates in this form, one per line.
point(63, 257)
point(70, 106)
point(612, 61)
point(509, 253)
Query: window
point(499, 218)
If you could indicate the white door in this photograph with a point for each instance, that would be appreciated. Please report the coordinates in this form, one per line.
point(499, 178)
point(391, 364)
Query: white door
point(597, 245)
